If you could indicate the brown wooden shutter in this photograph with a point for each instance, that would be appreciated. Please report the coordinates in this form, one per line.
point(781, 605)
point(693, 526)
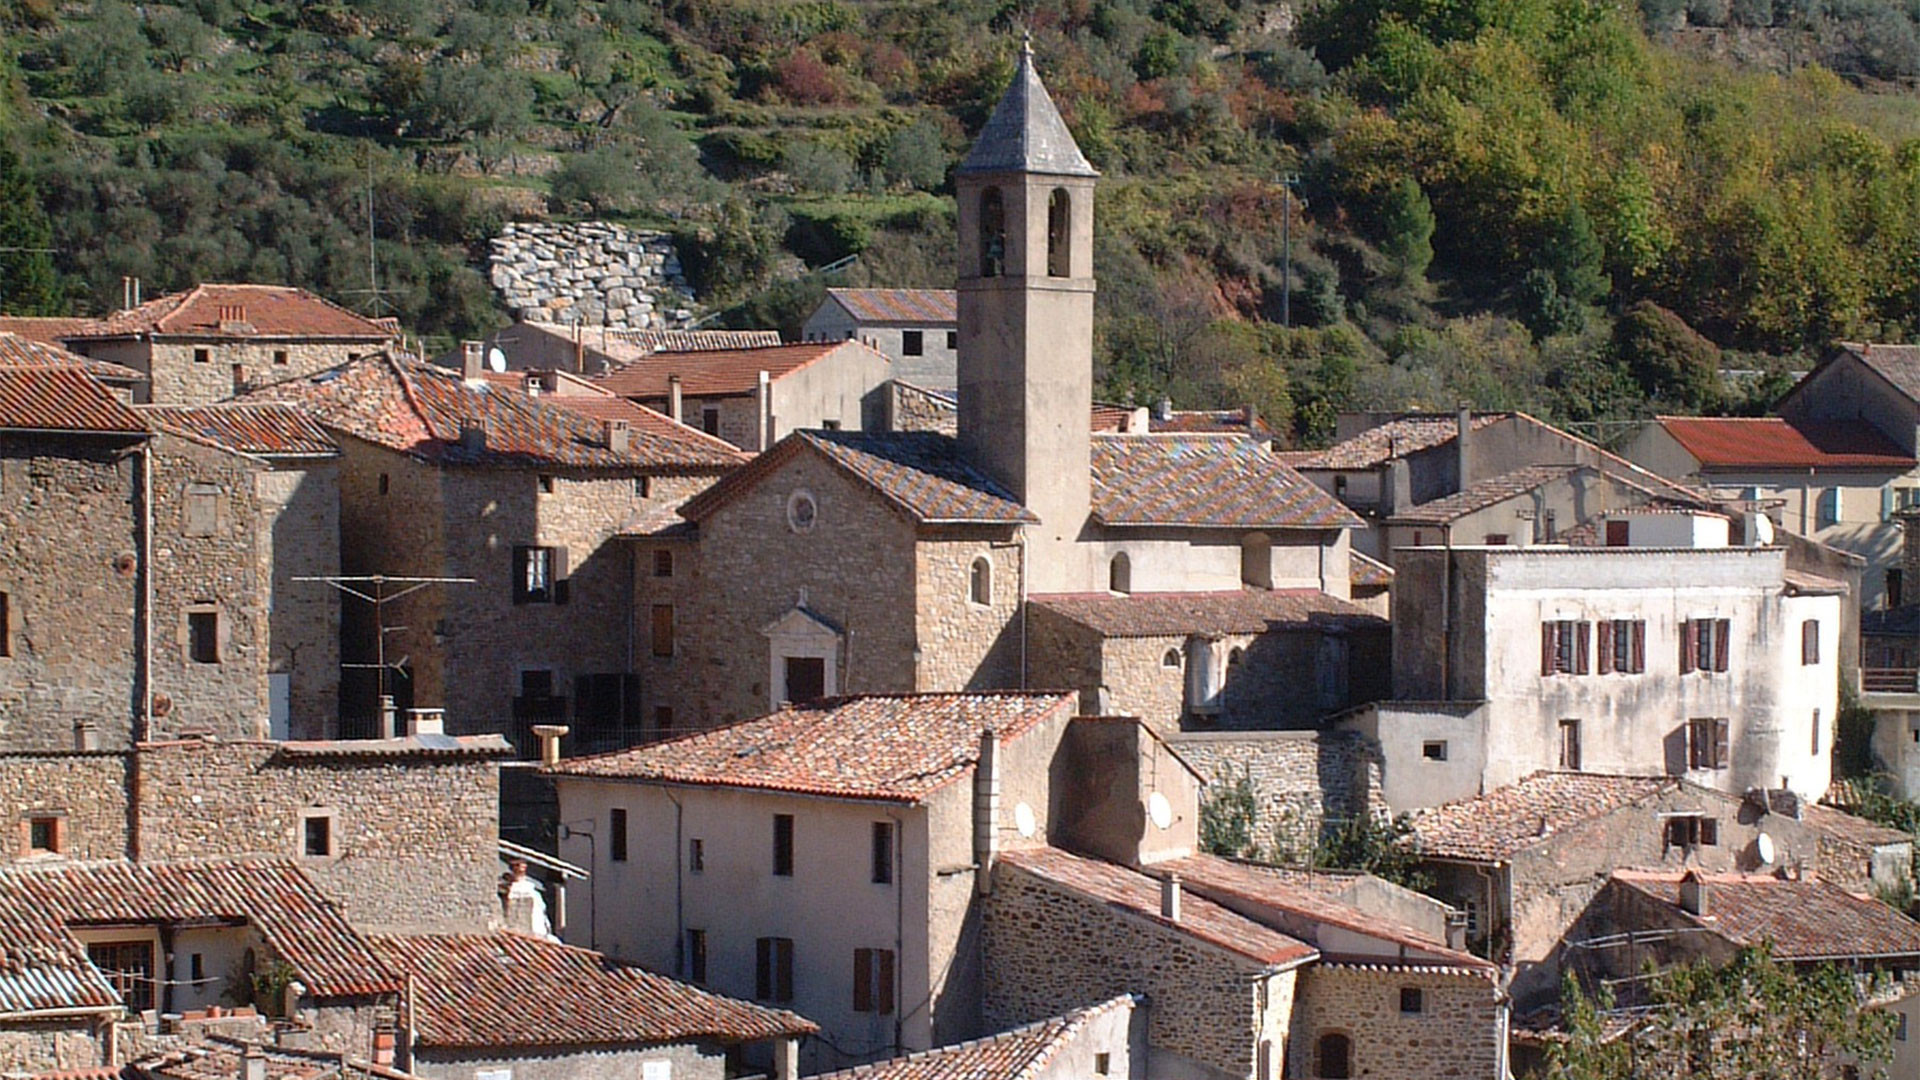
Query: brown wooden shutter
point(560, 585)
point(1546, 648)
point(1604, 644)
point(863, 980)
point(784, 949)
point(1810, 642)
point(1720, 636)
point(884, 995)
point(1688, 651)
point(1720, 741)
point(1639, 645)
point(1582, 648)
point(763, 969)
point(521, 554)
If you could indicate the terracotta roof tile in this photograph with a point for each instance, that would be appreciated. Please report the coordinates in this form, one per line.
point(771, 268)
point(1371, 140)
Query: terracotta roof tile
point(1209, 422)
point(219, 1058)
point(1804, 920)
point(1494, 826)
point(1138, 894)
point(624, 345)
point(1764, 442)
point(721, 372)
point(899, 305)
point(1111, 418)
point(51, 330)
point(42, 966)
point(601, 405)
point(1235, 611)
point(1019, 1054)
point(240, 311)
point(1409, 434)
point(264, 428)
point(894, 748)
point(921, 472)
point(507, 989)
point(1841, 825)
point(1224, 481)
point(1482, 494)
point(1367, 571)
point(420, 409)
point(21, 350)
point(62, 399)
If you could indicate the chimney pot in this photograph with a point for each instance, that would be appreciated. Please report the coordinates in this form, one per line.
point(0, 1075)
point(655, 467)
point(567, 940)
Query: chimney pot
point(1170, 897)
point(1164, 411)
point(388, 718)
point(1694, 895)
point(86, 735)
point(550, 736)
point(426, 721)
point(472, 355)
point(619, 436)
point(253, 1063)
point(676, 409)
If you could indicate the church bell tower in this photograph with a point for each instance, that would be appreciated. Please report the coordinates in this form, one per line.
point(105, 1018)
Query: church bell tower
point(1025, 288)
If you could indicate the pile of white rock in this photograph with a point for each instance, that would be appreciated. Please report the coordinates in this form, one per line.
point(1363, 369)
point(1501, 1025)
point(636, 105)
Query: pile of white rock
point(593, 272)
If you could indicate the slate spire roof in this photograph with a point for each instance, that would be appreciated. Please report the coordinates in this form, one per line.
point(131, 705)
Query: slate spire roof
point(1025, 132)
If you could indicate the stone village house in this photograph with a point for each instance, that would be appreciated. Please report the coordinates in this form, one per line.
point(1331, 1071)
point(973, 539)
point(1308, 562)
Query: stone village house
point(754, 397)
point(918, 329)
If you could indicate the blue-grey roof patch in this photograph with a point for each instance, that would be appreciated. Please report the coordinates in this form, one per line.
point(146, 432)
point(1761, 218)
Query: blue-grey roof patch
point(1025, 132)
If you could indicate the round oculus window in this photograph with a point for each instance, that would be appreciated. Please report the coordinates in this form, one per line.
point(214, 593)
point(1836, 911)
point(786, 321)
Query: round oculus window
point(802, 511)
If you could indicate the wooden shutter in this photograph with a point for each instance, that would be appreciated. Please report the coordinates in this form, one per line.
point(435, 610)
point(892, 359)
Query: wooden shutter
point(1810, 641)
point(1605, 646)
point(1689, 652)
point(1546, 648)
point(1582, 648)
point(1720, 636)
point(559, 583)
point(883, 980)
point(1720, 741)
point(763, 969)
point(863, 980)
point(783, 957)
point(521, 553)
point(1639, 645)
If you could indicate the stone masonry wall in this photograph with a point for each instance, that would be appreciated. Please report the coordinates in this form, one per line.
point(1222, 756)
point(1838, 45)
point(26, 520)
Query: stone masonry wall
point(301, 509)
point(414, 836)
point(593, 272)
point(49, 1046)
point(88, 791)
point(69, 560)
point(1457, 1033)
point(1049, 950)
point(964, 645)
point(1301, 780)
point(177, 377)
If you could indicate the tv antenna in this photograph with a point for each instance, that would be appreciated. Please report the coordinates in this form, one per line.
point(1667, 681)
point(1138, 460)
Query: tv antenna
point(372, 589)
point(376, 296)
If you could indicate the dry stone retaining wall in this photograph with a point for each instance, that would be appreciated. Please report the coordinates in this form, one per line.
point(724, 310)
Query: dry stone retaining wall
point(593, 272)
point(1301, 780)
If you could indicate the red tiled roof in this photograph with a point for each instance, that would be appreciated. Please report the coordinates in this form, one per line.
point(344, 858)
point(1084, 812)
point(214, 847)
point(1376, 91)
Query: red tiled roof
point(1847, 827)
point(42, 966)
point(921, 472)
point(1209, 422)
point(240, 311)
point(1761, 442)
point(50, 330)
point(507, 989)
point(1020, 1054)
point(1483, 494)
point(720, 372)
point(1223, 481)
point(899, 305)
point(264, 428)
point(1236, 611)
point(1365, 570)
point(1496, 825)
point(22, 350)
point(1111, 418)
point(219, 1058)
point(625, 345)
point(1804, 920)
point(894, 748)
point(62, 399)
point(1409, 434)
point(1138, 894)
point(420, 409)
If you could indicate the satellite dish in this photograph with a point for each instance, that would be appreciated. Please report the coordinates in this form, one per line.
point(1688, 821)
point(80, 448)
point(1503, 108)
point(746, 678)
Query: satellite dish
point(1023, 820)
point(1763, 845)
point(1159, 810)
point(496, 360)
point(1762, 531)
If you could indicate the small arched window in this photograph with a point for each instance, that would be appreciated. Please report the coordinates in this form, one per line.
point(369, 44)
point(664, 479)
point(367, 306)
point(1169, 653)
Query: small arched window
point(1256, 561)
point(1171, 659)
point(993, 234)
point(980, 581)
point(1235, 655)
point(1120, 574)
point(1336, 1056)
point(1060, 233)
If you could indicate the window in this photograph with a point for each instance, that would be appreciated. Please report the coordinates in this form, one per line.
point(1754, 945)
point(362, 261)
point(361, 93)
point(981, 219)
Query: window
point(128, 966)
point(1623, 646)
point(46, 835)
point(980, 582)
point(384, 483)
point(1563, 647)
point(546, 484)
point(316, 834)
point(1256, 560)
point(203, 637)
point(1692, 830)
point(663, 563)
point(913, 343)
point(203, 356)
point(993, 234)
point(783, 845)
point(696, 956)
point(662, 630)
point(239, 378)
point(1826, 509)
point(1900, 1027)
point(1434, 749)
point(806, 678)
point(953, 340)
point(696, 856)
point(802, 511)
point(1543, 528)
point(710, 421)
point(1336, 1057)
point(201, 515)
point(1120, 574)
point(663, 718)
point(1703, 645)
point(1894, 583)
point(883, 853)
point(1617, 533)
point(643, 487)
point(1810, 641)
point(773, 969)
point(6, 625)
point(197, 967)
point(1102, 1063)
point(617, 834)
point(539, 575)
point(1707, 742)
point(1497, 539)
point(1816, 732)
point(280, 357)
point(830, 425)
point(873, 981)
point(1171, 659)
point(1059, 233)
point(1235, 655)
point(1340, 486)
point(1570, 745)
point(1412, 1001)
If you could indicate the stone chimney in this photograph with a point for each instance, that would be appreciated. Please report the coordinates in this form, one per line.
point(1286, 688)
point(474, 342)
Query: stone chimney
point(426, 721)
point(1462, 440)
point(550, 736)
point(1170, 897)
point(676, 408)
point(522, 899)
point(472, 361)
point(86, 736)
point(1251, 414)
point(1694, 898)
point(253, 1063)
point(986, 810)
point(619, 436)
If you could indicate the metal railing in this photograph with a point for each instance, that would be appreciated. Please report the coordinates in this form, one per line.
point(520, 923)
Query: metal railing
point(1890, 680)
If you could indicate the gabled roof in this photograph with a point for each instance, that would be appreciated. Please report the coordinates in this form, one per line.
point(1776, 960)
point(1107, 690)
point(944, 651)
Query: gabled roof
point(23, 350)
point(51, 330)
point(1224, 481)
point(1025, 132)
point(1805, 920)
point(420, 409)
point(1483, 494)
point(601, 405)
point(1850, 828)
point(1394, 439)
point(1020, 1054)
point(1138, 895)
point(240, 311)
point(1495, 826)
point(509, 990)
point(43, 967)
point(1768, 442)
point(891, 748)
point(898, 305)
point(922, 473)
point(626, 344)
point(62, 399)
point(1235, 611)
point(1210, 422)
point(259, 428)
point(723, 372)
point(1898, 364)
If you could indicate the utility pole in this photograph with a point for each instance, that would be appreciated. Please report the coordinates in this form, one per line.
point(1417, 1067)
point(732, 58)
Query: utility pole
point(1287, 183)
